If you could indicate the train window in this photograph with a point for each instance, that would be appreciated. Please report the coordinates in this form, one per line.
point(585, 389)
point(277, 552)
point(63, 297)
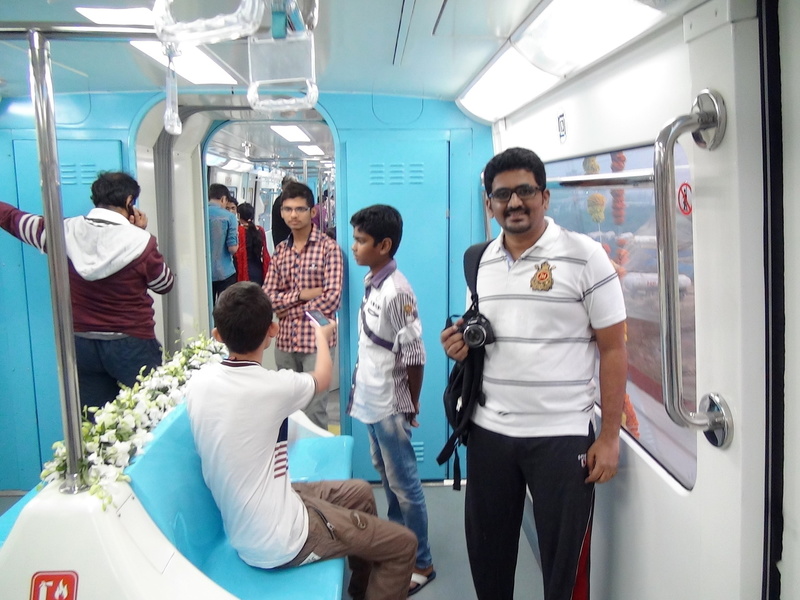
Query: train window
point(621, 216)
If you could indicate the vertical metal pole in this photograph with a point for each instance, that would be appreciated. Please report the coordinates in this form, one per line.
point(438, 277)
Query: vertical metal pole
point(44, 108)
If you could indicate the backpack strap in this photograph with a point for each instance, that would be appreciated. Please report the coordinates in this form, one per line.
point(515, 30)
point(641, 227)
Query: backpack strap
point(472, 259)
point(372, 335)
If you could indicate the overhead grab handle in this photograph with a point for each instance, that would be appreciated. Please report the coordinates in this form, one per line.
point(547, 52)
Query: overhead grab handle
point(282, 73)
point(172, 119)
point(707, 123)
point(244, 21)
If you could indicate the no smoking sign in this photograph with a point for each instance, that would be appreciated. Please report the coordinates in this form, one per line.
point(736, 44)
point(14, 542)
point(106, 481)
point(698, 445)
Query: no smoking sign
point(685, 199)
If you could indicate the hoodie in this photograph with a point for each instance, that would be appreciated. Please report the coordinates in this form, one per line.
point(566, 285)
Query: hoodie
point(112, 265)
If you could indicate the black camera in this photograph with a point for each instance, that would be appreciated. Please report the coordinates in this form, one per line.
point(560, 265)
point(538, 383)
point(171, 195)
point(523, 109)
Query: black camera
point(477, 331)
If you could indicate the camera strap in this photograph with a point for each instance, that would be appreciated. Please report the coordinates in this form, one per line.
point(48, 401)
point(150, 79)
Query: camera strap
point(472, 259)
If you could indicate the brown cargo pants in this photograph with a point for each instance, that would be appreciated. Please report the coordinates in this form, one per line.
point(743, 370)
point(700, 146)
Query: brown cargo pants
point(342, 522)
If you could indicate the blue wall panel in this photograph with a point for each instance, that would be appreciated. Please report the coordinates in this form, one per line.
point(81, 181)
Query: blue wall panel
point(19, 435)
point(415, 181)
point(94, 133)
point(447, 216)
point(80, 163)
point(452, 148)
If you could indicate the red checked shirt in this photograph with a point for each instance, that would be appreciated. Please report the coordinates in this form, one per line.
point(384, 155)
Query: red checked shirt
point(318, 264)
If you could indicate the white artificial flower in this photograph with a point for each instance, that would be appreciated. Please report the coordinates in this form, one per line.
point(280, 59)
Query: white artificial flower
point(109, 437)
point(122, 428)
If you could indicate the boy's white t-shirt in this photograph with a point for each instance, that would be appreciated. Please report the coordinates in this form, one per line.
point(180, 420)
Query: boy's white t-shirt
point(238, 413)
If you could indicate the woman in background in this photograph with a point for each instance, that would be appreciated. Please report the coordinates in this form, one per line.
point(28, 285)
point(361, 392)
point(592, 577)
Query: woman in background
point(252, 258)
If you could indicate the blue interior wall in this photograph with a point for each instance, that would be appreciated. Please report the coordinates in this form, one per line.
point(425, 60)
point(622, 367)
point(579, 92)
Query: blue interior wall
point(94, 133)
point(385, 127)
point(424, 157)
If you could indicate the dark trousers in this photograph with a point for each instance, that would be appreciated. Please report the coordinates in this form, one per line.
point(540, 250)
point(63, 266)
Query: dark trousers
point(499, 468)
point(217, 287)
point(103, 363)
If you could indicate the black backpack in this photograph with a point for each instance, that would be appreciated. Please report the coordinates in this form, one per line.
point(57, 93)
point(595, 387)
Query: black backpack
point(464, 386)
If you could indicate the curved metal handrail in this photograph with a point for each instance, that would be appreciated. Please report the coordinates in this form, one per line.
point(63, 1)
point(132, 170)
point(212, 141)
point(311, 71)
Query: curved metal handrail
point(708, 116)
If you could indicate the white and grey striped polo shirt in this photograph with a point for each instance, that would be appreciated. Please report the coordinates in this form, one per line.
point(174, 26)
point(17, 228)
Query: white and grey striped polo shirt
point(539, 374)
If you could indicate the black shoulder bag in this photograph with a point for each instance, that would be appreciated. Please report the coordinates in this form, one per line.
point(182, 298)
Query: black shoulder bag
point(464, 386)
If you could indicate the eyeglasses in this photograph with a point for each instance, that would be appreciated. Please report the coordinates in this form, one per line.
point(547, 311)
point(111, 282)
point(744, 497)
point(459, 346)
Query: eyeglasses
point(300, 210)
point(523, 192)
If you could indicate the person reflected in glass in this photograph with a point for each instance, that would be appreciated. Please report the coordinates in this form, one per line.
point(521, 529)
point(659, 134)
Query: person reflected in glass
point(280, 230)
point(252, 258)
point(223, 228)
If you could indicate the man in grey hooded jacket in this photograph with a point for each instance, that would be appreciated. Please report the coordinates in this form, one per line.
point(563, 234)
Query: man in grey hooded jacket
point(113, 262)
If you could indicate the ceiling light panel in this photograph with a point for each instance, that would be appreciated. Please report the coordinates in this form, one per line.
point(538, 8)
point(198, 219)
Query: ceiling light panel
point(571, 34)
point(117, 16)
point(213, 160)
point(506, 85)
point(311, 150)
point(291, 133)
point(192, 64)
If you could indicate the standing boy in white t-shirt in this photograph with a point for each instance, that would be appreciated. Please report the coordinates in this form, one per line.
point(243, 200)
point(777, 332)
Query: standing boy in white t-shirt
point(239, 416)
point(388, 377)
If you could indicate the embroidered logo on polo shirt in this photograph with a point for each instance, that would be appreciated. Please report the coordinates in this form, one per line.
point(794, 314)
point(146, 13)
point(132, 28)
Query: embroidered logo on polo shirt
point(542, 281)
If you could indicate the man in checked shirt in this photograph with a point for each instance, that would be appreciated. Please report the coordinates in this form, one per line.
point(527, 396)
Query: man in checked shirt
point(305, 274)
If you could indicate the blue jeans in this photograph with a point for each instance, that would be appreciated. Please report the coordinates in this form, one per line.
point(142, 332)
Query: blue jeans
point(394, 458)
point(103, 363)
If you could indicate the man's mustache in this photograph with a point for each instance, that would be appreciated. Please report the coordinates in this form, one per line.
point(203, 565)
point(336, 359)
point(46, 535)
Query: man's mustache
point(520, 209)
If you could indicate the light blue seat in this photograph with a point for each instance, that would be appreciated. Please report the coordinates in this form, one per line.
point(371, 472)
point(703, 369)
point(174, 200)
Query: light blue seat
point(169, 483)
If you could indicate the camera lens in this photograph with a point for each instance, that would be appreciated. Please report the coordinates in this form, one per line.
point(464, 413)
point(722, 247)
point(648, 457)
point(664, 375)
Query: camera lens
point(474, 336)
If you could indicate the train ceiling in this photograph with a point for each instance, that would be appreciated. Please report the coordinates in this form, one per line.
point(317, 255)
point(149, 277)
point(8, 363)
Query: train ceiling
point(421, 48)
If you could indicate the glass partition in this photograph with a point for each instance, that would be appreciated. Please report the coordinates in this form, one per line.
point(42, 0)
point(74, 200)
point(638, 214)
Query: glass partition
point(621, 216)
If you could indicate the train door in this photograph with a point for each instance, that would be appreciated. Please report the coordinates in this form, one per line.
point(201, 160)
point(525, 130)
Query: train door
point(656, 536)
point(719, 522)
point(415, 181)
point(37, 424)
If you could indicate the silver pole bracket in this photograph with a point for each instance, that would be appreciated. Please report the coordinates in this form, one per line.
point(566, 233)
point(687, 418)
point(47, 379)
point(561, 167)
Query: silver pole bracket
point(710, 106)
point(720, 432)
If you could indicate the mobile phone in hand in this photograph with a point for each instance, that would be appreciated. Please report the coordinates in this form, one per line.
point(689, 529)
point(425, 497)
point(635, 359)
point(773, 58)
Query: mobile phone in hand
point(317, 317)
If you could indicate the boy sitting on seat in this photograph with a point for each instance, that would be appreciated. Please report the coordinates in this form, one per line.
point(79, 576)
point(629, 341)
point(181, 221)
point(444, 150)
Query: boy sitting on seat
point(239, 417)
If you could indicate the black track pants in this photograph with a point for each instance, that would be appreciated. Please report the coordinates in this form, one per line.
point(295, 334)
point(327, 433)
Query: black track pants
point(554, 468)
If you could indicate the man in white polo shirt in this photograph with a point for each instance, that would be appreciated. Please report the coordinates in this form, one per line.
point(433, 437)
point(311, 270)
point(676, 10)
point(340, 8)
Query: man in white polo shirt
point(555, 305)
